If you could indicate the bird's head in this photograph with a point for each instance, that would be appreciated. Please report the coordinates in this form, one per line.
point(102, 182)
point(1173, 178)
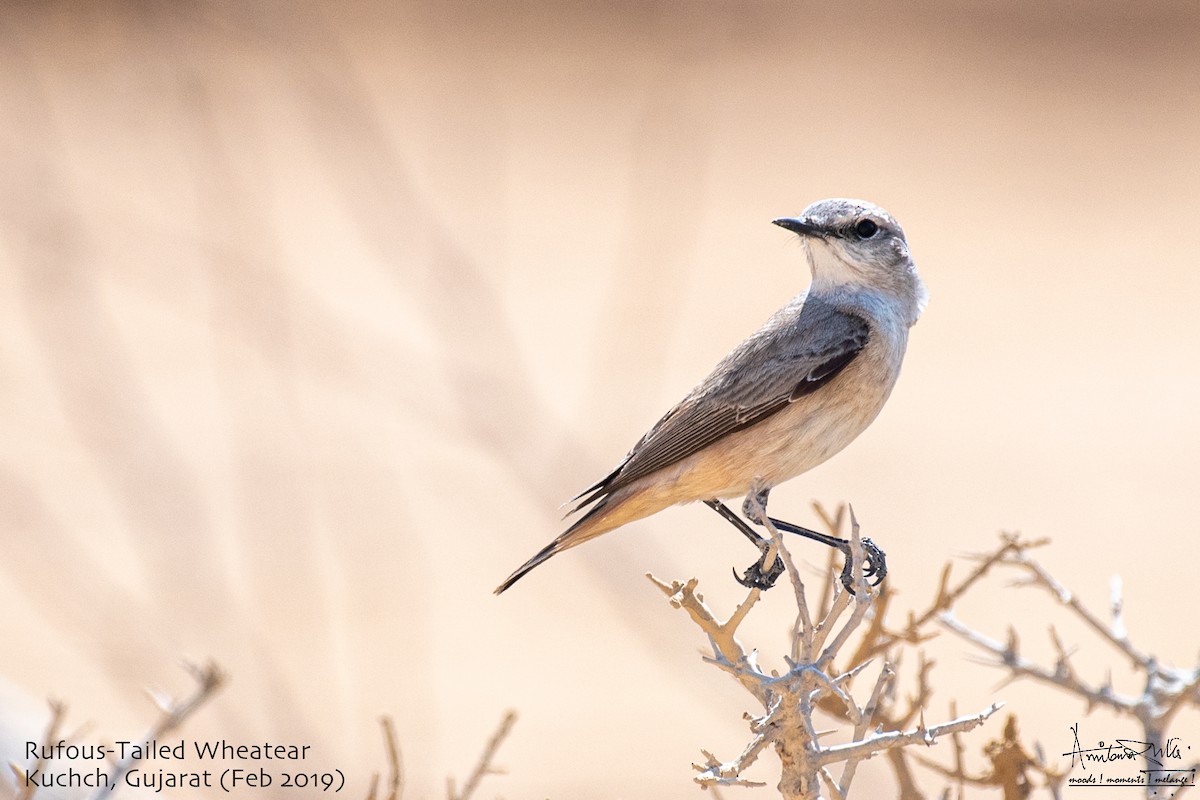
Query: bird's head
point(854, 244)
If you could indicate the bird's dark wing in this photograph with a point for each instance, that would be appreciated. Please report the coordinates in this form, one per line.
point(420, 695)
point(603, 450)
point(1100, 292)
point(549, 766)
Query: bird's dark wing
point(800, 349)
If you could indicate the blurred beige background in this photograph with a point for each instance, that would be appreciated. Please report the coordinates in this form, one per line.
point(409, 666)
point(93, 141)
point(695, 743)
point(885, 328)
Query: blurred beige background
point(313, 314)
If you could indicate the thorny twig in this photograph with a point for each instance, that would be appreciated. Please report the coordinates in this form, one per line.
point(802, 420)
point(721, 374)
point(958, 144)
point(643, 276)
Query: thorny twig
point(1167, 690)
point(876, 639)
point(26, 788)
point(945, 597)
point(789, 700)
point(1011, 767)
point(209, 679)
point(484, 765)
point(172, 714)
point(395, 768)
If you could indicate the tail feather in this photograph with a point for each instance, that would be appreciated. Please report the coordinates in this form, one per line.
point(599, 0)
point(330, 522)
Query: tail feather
point(584, 528)
point(542, 555)
point(626, 504)
point(597, 491)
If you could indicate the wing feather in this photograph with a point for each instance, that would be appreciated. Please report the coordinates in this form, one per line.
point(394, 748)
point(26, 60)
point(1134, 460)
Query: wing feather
point(803, 347)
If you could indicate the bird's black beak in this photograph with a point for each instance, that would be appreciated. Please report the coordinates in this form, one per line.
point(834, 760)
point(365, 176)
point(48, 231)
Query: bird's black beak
point(799, 226)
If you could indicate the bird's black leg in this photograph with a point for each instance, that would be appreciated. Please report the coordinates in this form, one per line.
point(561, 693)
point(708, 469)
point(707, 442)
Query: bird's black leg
point(757, 575)
point(874, 559)
point(755, 538)
point(874, 563)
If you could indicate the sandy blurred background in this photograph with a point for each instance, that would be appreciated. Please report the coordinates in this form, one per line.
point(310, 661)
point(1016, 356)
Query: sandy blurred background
point(311, 315)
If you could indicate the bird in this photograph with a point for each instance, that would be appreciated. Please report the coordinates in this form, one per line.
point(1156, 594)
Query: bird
point(794, 393)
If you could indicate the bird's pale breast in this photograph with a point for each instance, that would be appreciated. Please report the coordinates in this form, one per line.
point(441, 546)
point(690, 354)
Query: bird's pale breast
point(797, 438)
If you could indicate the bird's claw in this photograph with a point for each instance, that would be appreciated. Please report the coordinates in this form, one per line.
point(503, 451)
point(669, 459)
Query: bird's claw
point(755, 578)
point(874, 564)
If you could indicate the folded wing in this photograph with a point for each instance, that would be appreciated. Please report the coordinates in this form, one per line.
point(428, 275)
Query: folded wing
point(799, 350)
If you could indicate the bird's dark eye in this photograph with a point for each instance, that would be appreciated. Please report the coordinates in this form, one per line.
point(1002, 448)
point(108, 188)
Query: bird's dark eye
point(866, 228)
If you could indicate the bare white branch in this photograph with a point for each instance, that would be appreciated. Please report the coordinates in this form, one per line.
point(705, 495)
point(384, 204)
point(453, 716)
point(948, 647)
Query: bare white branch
point(920, 735)
point(789, 700)
point(1165, 690)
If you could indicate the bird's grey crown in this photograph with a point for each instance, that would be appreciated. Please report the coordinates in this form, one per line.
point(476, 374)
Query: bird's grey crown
point(838, 216)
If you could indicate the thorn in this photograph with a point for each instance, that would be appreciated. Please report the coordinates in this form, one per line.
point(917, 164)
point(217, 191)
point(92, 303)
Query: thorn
point(943, 596)
point(666, 588)
point(1118, 622)
point(160, 699)
point(1007, 680)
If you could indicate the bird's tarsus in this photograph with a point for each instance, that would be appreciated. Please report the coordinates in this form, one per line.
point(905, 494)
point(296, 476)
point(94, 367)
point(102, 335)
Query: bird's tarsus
point(874, 559)
point(757, 576)
point(737, 522)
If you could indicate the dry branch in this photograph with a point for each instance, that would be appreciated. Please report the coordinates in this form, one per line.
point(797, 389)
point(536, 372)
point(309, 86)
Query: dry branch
point(395, 768)
point(172, 713)
point(789, 700)
point(1165, 690)
point(26, 788)
point(1013, 767)
point(484, 765)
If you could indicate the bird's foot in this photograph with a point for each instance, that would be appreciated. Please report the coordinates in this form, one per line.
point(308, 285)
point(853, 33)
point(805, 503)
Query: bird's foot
point(874, 567)
point(757, 577)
